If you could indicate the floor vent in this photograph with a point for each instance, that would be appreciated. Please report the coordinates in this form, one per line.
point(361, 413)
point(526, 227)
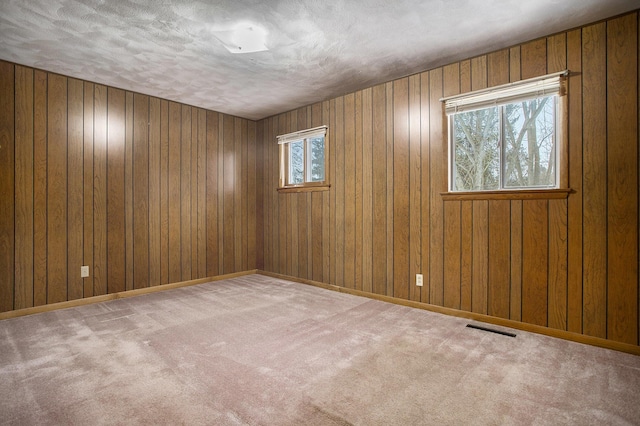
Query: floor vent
point(491, 330)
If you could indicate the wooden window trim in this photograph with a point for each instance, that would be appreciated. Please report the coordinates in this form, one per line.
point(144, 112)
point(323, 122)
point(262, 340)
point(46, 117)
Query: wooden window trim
point(306, 186)
point(521, 194)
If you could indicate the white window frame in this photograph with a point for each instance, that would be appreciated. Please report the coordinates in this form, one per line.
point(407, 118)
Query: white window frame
point(304, 136)
point(548, 85)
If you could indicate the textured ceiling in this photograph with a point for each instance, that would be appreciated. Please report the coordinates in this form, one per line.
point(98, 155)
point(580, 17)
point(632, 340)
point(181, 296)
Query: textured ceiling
point(317, 49)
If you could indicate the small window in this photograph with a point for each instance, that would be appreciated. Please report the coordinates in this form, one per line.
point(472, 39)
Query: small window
point(506, 138)
point(303, 159)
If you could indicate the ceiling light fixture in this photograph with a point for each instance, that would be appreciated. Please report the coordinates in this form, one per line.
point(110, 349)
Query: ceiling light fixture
point(243, 38)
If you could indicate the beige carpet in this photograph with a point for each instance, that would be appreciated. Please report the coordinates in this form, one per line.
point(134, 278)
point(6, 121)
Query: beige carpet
point(261, 351)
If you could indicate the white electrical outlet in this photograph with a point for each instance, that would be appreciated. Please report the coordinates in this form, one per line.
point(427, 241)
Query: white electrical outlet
point(84, 271)
point(419, 280)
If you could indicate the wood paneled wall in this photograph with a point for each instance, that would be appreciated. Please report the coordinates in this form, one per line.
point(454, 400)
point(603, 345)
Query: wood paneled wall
point(569, 264)
point(143, 190)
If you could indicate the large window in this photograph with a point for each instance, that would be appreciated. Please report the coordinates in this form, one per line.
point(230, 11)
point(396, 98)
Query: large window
point(506, 138)
point(303, 159)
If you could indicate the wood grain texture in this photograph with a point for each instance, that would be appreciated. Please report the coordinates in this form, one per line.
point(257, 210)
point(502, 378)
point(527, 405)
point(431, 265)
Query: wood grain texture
point(452, 254)
point(594, 156)
point(57, 189)
point(99, 176)
point(574, 203)
point(358, 192)
point(379, 191)
point(24, 197)
point(100, 191)
point(401, 189)
point(349, 167)
point(415, 188)
point(116, 231)
point(88, 154)
point(557, 274)
point(164, 192)
point(140, 191)
point(174, 204)
point(75, 190)
point(480, 257)
point(622, 175)
point(7, 186)
point(535, 263)
point(129, 191)
point(154, 181)
point(185, 194)
point(498, 290)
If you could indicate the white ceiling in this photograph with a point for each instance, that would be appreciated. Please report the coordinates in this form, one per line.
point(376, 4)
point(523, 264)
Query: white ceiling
point(317, 49)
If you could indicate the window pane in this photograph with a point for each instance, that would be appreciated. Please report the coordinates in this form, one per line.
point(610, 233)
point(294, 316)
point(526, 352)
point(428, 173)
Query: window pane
point(529, 128)
point(476, 152)
point(296, 163)
point(315, 166)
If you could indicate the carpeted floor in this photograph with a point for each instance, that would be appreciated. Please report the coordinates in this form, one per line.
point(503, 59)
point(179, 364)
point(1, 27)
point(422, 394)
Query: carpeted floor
point(256, 350)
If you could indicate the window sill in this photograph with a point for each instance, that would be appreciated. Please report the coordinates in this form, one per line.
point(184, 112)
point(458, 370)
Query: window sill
point(532, 194)
point(305, 188)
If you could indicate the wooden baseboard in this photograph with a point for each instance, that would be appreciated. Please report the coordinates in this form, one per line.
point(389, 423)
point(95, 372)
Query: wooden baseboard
point(561, 334)
point(119, 295)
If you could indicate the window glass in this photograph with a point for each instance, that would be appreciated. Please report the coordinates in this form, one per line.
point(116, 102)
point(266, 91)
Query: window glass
point(511, 146)
point(296, 162)
point(529, 129)
point(315, 167)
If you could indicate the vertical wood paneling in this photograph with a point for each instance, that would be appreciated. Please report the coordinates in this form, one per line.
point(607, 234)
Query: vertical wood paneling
point(240, 139)
point(534, 58)
point(155, 228)
point(100, 176)
point(229, 171)
point(339, 176)
point(140, 191)
point(164, 192)
point(390, 188)
point(379, 171)
point(40, 188)
point(622, 175)
point(100, 191)
point(535, 261)
point(202, 194)
point(358, 169)
point(212, 193)
point(24, 196)
point(425, 210)
point(499, 297)
point(401, 188)
point(185, 193)
point(594, 180)
point(57, 189)
point(480, 257)
point(557, 275)
point(452, 251)
point(175, 132)
point(75, 190)
point(415, 190)
point(367, 191)
point(466, 259)
point(116, 233)
point(516, 261)
point(88, 188)
point(129, 189)
point(348, 135)
point(574, 203)
point(7, 187)
point(437, 183)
